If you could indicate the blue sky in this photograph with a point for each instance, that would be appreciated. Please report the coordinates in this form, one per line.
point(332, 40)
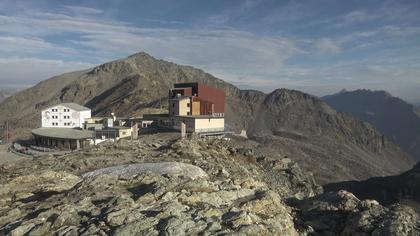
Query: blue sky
point(319, 47)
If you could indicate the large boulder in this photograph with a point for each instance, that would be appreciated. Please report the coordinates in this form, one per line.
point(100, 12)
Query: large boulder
point(162, 168)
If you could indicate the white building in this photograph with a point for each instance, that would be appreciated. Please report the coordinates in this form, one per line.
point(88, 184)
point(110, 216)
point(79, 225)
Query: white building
point(65, 115)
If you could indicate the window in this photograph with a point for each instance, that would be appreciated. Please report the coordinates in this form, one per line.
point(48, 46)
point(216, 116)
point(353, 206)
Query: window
point(188, 104)
point(173, 104)
point(188, 113)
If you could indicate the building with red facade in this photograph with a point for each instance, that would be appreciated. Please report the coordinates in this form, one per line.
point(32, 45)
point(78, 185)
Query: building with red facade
point(211, 100)
point(199, 107)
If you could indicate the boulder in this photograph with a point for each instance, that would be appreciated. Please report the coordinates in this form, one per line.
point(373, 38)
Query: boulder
point(162, 168)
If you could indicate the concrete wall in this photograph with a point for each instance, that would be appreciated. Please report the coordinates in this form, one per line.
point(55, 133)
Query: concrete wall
point(200, 124)
point(63, 117)
point(61, 144)
point(209, 124)
point(189, 122)
point(124, 133)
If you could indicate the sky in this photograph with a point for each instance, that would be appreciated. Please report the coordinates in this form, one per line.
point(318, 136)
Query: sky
point(318, 47)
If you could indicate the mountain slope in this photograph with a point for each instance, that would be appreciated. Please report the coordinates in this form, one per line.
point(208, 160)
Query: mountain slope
point(324, 140)
point(417, 110)
point(391, 115)
point(6, 92)
point(334, 146)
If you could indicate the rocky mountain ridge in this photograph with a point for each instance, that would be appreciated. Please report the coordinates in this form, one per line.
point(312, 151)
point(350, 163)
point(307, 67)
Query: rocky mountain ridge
point(233, 190)
point(392, 116)
point(336, 147)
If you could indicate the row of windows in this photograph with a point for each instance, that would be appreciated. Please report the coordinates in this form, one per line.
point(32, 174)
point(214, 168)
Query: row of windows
point(65, 123)
point(56, 110)
point(65, 117)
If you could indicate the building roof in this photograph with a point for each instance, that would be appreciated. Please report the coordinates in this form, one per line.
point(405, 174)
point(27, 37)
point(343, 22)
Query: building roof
point(202, 117)
point(73, 106)
point(63, 133)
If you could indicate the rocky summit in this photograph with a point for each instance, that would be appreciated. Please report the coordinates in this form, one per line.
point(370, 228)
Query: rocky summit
point(165, 185)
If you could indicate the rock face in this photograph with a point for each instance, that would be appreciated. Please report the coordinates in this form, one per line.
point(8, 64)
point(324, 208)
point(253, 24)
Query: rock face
point(341, 213)
point(392, 116)
point(403, 189)
point(162, 185)
point(208, 187)
point(334, 146)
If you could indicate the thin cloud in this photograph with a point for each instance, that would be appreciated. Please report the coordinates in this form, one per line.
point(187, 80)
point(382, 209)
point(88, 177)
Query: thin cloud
point(28, 45)
point(327, 46)
point(27, 70)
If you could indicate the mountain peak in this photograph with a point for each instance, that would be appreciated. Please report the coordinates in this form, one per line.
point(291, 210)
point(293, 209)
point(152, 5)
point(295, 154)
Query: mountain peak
point(141, 55)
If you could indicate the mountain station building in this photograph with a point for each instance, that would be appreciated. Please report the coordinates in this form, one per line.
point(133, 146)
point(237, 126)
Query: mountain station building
point(200, 107)
point(69, 126)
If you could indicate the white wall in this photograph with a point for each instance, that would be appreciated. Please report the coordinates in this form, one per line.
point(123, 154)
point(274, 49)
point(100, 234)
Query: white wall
point(84, 115)
point(199, 125)
point(209, 125)
point(58, 117)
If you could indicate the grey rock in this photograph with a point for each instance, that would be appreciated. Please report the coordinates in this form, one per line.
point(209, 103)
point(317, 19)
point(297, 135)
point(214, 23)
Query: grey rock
point(163, 168)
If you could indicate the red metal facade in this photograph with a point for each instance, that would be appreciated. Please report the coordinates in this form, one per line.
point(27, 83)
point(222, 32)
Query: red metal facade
point(206, 94)
point(213, 95)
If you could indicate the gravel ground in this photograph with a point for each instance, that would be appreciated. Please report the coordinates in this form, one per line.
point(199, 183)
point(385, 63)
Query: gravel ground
point(9, 157)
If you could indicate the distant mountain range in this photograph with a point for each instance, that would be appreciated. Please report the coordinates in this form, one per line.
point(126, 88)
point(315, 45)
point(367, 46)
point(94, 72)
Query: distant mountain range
point(334, 146)
point(398, 120)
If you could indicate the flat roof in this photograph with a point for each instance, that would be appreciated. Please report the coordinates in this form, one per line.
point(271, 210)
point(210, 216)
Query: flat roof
point(202, 117)
point(156, 115)
point(120, 127)
point(180, 98)
point(72, 105)
point(63, 133)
